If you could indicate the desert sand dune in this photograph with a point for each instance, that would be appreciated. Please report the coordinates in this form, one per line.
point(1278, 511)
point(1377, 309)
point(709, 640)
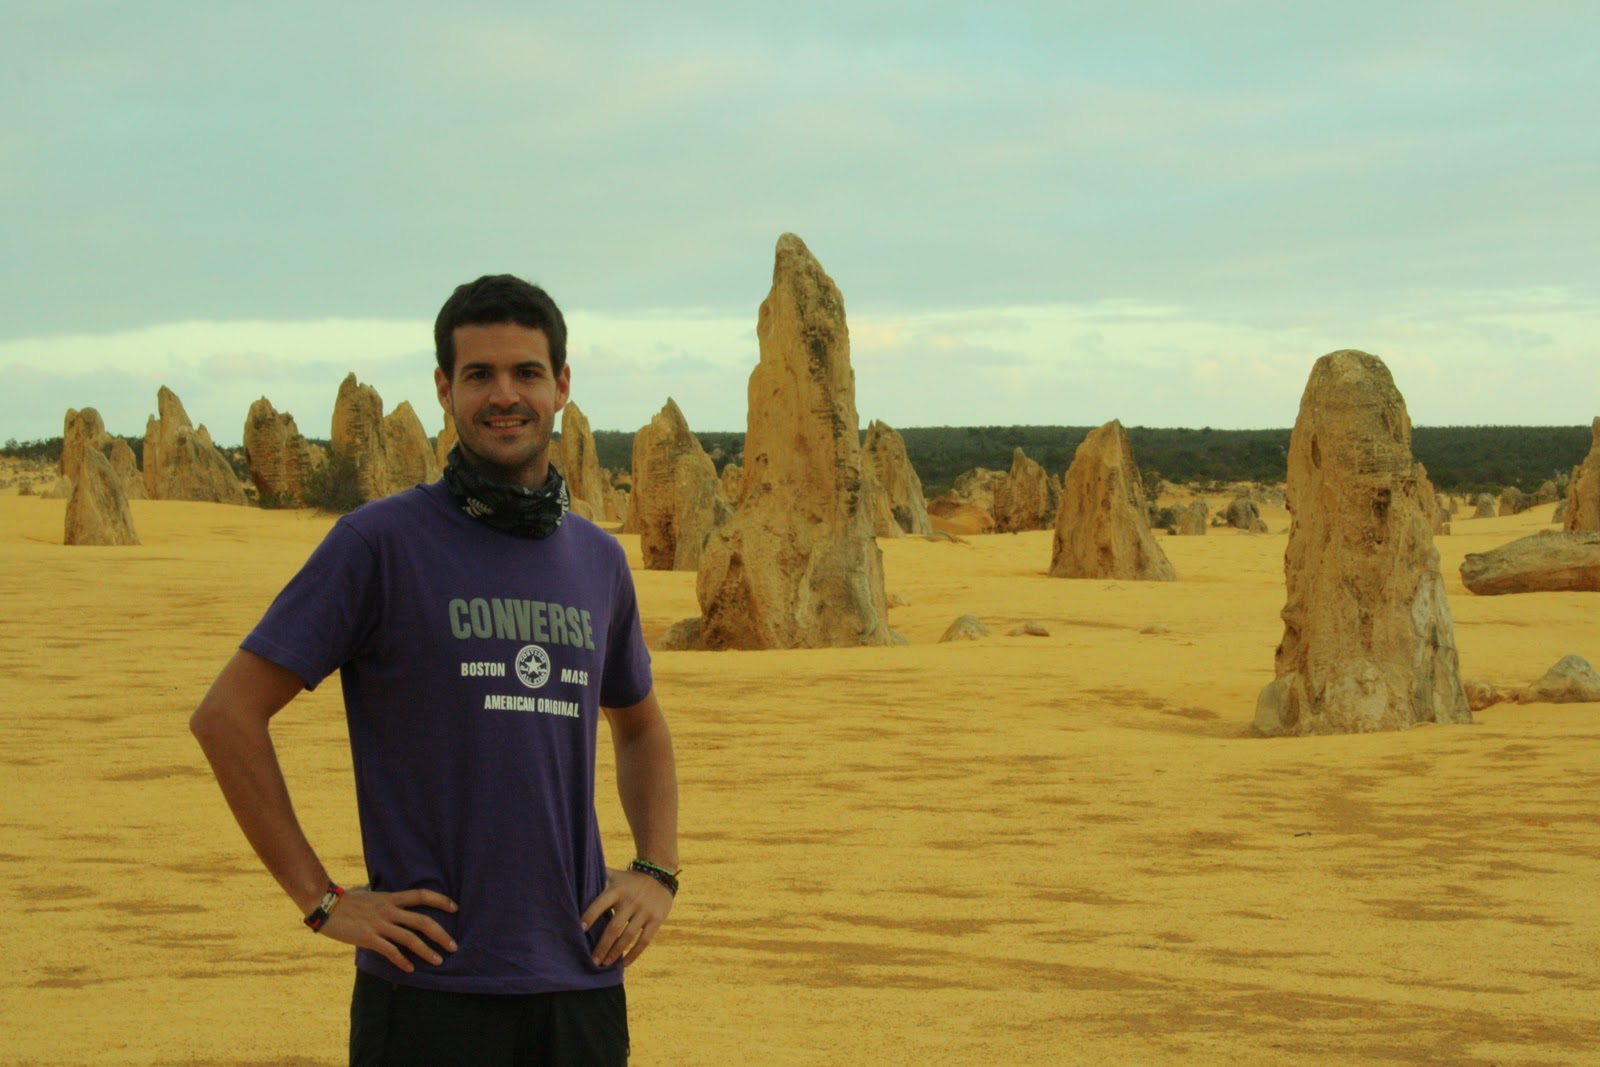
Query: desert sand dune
point(1058, 850)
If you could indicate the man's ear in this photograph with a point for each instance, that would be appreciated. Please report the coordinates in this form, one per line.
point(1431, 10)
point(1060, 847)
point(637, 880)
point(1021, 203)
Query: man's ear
point(563, 387)
point(442, 384)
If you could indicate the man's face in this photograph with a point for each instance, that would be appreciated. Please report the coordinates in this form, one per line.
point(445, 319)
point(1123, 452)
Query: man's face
point(503, 398)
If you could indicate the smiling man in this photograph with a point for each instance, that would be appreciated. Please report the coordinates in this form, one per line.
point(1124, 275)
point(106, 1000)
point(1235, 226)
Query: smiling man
point(503, 392)
point(480, 631)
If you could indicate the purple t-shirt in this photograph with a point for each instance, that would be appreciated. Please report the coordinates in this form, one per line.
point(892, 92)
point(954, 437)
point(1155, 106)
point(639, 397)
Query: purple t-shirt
point(474, 664)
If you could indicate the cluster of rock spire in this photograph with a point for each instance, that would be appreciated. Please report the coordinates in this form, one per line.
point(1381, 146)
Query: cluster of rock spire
point(784, 544)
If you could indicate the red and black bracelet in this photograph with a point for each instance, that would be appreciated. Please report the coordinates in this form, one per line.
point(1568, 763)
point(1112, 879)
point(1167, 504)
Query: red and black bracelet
point(330, 900)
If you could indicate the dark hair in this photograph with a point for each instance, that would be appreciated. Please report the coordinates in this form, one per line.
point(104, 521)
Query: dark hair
point(494, 299)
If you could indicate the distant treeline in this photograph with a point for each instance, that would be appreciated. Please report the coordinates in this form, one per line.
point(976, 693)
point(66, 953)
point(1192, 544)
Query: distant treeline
point(48, 449)
point(1460, 459)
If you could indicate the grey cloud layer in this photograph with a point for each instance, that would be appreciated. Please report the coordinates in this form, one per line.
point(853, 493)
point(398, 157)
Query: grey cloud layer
point(186, 161)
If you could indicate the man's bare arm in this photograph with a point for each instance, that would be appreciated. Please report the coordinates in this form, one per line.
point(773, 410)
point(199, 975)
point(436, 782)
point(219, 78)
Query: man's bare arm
point(647, 783)
point(232, 726)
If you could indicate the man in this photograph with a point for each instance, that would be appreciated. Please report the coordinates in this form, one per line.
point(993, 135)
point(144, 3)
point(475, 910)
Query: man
point(479, 630)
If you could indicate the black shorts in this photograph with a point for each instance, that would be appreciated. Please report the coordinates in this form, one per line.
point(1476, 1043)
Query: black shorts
point(402, 1026)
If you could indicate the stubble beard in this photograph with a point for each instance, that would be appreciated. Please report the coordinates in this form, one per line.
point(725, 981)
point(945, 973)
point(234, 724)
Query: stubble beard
point(519, 473)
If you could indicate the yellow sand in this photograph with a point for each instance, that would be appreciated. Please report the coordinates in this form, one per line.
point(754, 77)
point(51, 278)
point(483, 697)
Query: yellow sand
point(1048, 850)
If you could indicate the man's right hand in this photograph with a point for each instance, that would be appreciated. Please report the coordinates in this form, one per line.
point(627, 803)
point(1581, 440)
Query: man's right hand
point(385, 923)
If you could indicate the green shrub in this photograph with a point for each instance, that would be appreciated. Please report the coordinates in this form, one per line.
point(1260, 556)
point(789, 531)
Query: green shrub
point(1153, 485)
point(274, 501)
point(335, 486)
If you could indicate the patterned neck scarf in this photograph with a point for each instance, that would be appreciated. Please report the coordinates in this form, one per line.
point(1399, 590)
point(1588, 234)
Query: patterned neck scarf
point(516, 509)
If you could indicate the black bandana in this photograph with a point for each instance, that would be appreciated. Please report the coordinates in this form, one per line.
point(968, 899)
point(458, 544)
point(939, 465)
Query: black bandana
point(516, 509)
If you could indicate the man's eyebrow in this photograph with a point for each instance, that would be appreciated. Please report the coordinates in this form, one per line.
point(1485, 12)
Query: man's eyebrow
point(486, 365)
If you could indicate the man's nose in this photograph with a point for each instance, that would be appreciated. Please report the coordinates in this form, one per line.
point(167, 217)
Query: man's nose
point(504, 391)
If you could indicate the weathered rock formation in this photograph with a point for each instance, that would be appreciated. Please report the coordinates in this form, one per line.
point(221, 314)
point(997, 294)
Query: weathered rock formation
point(83, 432)
point(1570, 681)
point(617, 499)
point(279, 458)
point(390, 454)
point(797, 566)
point(1513, 501)
point(1023, 499)
point(951, 513)
point(97, 510)
point(677, 498)
point(1583, 491)
point(445, 442)
point(180, 462)
point(579, 463)
point(1244, 514)
point(358, 436)
point(1191, 521)
point(407, 452)
point(1548, 561)
point(1438, 515)
point(681, 636)
point(1368, 642)
point(976, 487)
point(1102, 528)
point(126, 466)
point(1547, 493)
point(1480, 694)
point(1483, 506)
point(151, 453)
point(965, 628)
point(732, 482)
point(898, 507)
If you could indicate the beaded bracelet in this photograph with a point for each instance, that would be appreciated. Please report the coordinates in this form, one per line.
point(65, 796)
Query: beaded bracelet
point(660, 874)
point(330, 900)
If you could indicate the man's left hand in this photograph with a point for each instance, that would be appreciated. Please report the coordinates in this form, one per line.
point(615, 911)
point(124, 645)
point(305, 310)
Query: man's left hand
point(638, 906)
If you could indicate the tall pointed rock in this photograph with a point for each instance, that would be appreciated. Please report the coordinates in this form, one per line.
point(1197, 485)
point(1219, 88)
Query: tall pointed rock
point(1368, 642)
point(180, 462)
point(1583, 492)
point(796, 566)
point(445, 442)
point(579, 461)
point(1102, 523)
point(357, 435)
point(677, 498)
point(1024, 499)
point(97, 510)
point(407, 454)
point(278, 456)
point(83, 432)
point(898, 506)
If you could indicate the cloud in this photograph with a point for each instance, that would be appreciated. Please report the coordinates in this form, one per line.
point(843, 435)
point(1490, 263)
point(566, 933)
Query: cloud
point(358, 160)
point(217, 368)
point(1503, 357)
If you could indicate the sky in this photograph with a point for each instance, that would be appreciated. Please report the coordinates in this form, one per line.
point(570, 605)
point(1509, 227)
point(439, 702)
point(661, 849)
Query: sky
point(1038, 214)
